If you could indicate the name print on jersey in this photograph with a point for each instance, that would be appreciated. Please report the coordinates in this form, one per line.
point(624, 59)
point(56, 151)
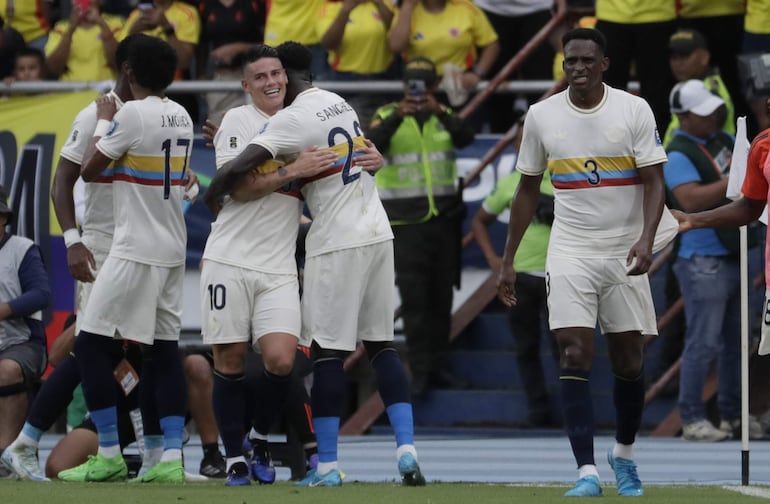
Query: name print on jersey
point(334, 110)
point(174, 121)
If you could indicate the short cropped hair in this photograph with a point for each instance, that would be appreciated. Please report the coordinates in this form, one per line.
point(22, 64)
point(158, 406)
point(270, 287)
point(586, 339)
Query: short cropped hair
point(585, 34)
point(295, 56)
point(153, 62)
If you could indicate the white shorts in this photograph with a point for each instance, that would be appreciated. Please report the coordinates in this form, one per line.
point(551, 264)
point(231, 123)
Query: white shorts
point(135, 301)
point(764, 341)
point(348, 296)
point(243, 305)
point(83, 289)
point(580, 291)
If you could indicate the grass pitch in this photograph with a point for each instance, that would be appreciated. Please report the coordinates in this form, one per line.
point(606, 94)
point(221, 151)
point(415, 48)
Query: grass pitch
point(23, 492)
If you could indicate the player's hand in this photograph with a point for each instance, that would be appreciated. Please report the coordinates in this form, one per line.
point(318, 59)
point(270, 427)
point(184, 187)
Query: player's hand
point(506, 285)
point(81, 263)
point(313, 161)
point(683, 219)
point(209, 132)
point(192, 187)
point(369, 158)
point(639, 259)
point(106, 107)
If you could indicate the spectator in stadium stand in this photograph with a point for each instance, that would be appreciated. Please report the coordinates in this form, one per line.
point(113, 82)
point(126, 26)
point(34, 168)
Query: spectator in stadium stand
point(355, 32)
point(178, 23)
point(82, 48)
point(31, 18)
point(231, 28)
point(516, 23)
point(638, 33)
point(11, 42)
point(295, 20)
point(452, 32)
point(756, 39)
point(28, 66)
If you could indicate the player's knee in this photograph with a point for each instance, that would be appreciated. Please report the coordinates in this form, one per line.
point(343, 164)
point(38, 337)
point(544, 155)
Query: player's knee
point(573, 355)
point(10, 373)
point(319, 353)
point(229, 358)
point(279, 364)
point(197, 369)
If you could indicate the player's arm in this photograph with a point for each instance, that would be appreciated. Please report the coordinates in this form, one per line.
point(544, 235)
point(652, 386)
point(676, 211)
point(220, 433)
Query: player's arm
point(310, 162)
point(652, 208)
point(80, 260)
point(94, 161)
point(737, 213)
point(232, 172)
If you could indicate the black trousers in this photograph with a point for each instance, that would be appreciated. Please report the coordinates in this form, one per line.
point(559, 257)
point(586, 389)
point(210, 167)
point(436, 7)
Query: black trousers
point(427, 257)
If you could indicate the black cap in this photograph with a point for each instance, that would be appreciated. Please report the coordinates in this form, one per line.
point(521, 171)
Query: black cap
point(685, 41)
point(4, 208)
point(420, 68)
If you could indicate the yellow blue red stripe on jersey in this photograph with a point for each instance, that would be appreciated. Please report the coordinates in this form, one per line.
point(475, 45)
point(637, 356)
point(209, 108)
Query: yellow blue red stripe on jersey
point(107, 175)
point(583, 173)
point(148, 170)
point(343, 150)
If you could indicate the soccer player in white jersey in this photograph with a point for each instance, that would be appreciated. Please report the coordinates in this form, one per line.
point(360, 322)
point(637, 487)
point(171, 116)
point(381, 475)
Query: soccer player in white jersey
point(605, 158)
point(349, 273)
point(84, 257)
point(249, 286)
point(137, 294)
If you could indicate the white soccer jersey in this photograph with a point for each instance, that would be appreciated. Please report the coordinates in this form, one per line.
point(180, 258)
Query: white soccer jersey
point(97, 222)
point(259, 235)
point(594, 157)
point(150, 140)
point(343, 201)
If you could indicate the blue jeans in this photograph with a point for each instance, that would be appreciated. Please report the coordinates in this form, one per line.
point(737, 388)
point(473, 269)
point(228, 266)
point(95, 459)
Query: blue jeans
point(710, 287)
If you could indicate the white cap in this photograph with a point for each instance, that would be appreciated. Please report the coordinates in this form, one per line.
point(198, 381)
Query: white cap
point(692, 96)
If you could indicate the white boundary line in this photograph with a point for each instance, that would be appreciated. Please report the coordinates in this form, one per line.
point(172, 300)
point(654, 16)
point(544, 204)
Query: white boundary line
point(751, 491)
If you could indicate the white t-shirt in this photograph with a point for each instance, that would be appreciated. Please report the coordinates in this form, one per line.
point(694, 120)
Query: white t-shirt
point(343, 201)
point(151, 141)
point(259, 235)
point(594, 157)
point(97, 220)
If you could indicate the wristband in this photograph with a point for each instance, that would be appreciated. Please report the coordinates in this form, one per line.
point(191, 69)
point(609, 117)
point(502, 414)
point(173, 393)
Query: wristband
point(102, 127)
point(71, 237)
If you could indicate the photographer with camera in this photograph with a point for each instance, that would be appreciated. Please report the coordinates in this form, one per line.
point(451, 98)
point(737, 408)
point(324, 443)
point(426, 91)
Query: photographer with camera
point(419, 188)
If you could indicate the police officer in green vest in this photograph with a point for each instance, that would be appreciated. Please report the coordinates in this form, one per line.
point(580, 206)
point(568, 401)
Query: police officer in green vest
point(419, 188)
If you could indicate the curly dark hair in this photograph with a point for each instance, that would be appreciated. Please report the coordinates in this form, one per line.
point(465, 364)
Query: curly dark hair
point(295, 56)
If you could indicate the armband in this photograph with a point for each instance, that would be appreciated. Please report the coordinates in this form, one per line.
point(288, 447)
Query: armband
point(102, 127)
point(71, 237)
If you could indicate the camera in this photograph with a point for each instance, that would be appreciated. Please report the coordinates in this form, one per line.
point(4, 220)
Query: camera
point(416, 88)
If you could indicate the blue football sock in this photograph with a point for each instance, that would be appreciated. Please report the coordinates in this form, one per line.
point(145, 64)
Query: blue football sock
point(326, 398)
point(628, 396)
point(106, 422)
point(578, 414)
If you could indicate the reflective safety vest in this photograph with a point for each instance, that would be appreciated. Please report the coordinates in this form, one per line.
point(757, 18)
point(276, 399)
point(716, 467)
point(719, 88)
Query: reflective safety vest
point(418, 181)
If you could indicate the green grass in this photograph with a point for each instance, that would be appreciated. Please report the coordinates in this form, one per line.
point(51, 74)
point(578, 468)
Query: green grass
point(22, 492)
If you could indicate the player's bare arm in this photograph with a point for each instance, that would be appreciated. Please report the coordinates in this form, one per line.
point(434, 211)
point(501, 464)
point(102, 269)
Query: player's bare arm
point(522, 209)
point(311, 161)
point(80, 260)
point(94, 162)
point(737, 213)
point(639, 257)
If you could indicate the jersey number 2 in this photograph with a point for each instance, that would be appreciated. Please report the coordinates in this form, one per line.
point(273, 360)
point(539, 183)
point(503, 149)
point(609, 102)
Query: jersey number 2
point(347, 178)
